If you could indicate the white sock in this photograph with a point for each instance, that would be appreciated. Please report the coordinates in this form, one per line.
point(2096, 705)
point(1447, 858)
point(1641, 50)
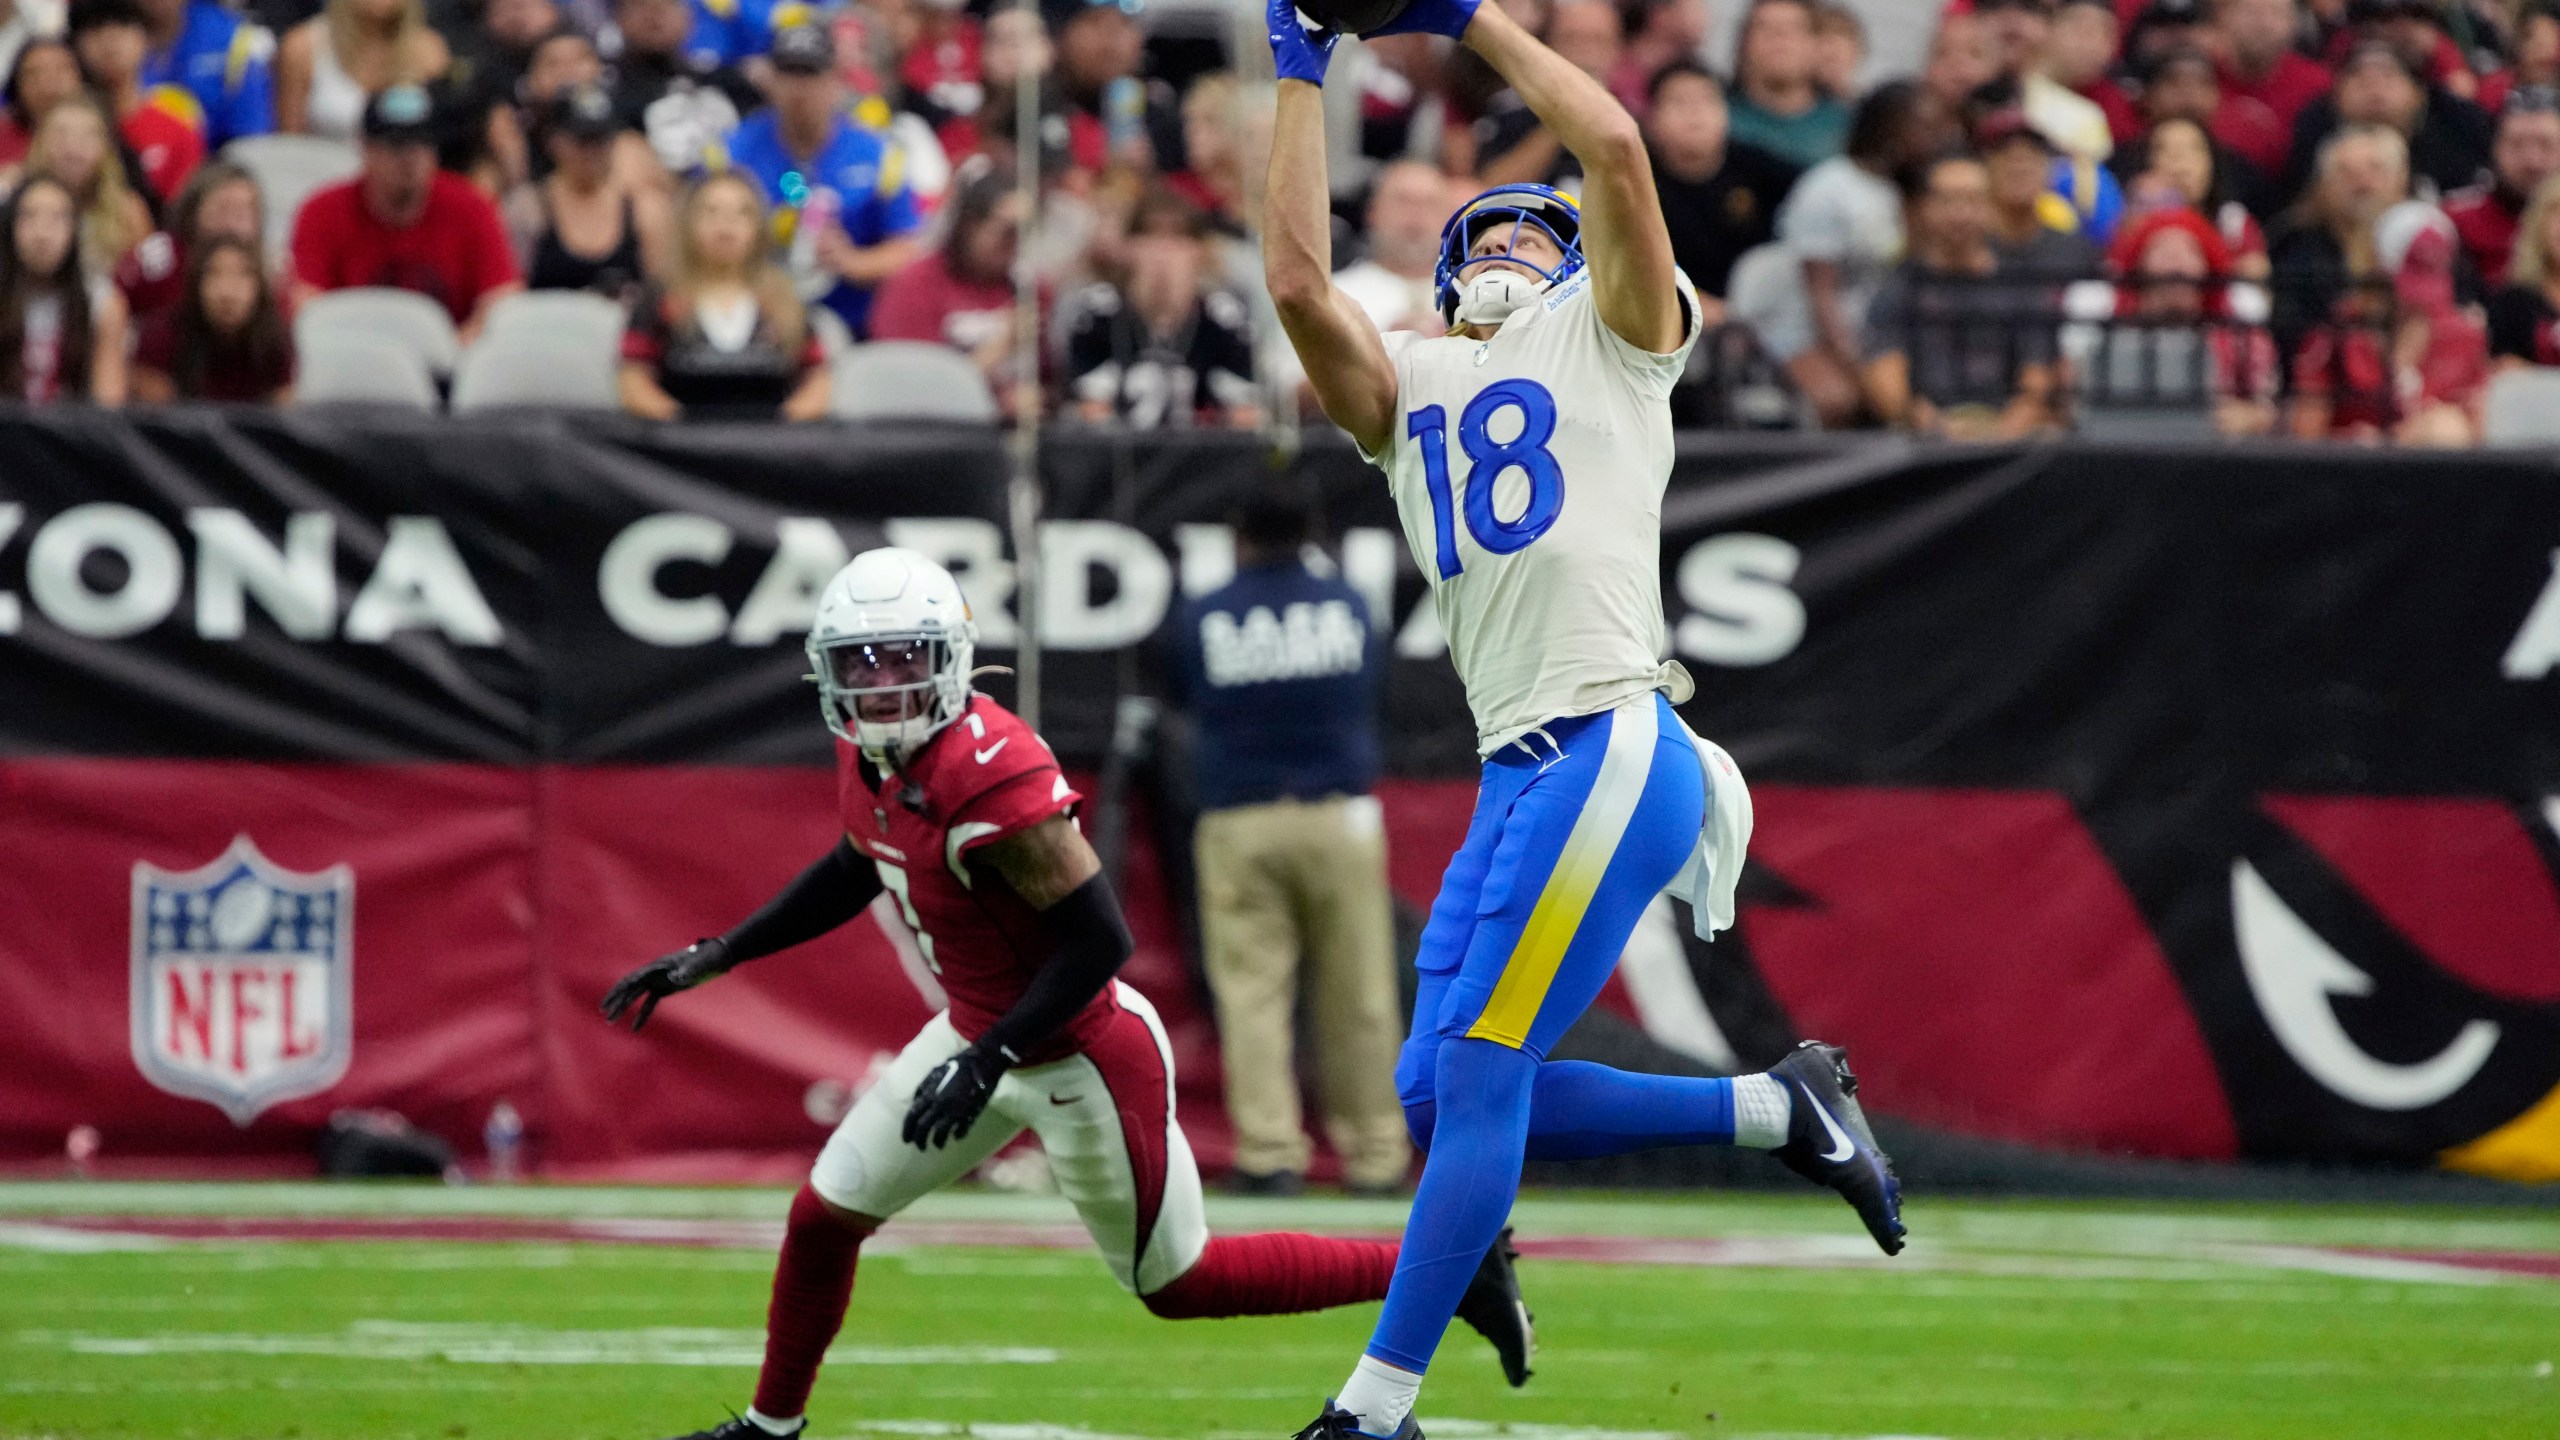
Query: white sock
point(1380, 1394)
point(1761, 1109)
point(787, 1425)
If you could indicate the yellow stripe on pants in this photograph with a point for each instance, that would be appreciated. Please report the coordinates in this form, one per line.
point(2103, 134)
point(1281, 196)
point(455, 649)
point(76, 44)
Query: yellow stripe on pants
point(1624, 769)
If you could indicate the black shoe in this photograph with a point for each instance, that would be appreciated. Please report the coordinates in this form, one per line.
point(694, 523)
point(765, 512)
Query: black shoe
point(1493, 1306)
point(1340, 1424)
point(1828, 1141)
point(1278, 1185)
point(739, 1427)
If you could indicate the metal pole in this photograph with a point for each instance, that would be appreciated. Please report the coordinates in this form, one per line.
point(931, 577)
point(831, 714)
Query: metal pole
point(1024, 494)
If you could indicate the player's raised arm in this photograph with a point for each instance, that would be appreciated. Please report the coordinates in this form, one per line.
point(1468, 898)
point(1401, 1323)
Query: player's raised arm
point(827, 894)
point(1345, 360)
point(1057, 874)
point(1623, 234)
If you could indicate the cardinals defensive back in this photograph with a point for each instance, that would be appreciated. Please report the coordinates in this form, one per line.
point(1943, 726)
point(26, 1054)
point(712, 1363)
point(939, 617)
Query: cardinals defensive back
point(960, 813)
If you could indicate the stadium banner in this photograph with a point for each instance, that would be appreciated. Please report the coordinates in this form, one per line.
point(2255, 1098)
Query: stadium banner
point(2189, 803)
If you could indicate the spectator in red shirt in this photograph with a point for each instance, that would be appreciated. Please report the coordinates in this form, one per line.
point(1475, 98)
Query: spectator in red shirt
point(220, 200)
point(2527, 152)
point(2195, 336)
point(1213, 142)
point(2537, 60)
point(112, 39)
point(961, 295)
point(1015, 40)
point(2080, 53)
point(942, 64)
point(2266, 83)
point(2415, 28)
point(46, 74)
point(227, 341)
point(405, 224)
point(1659, 33)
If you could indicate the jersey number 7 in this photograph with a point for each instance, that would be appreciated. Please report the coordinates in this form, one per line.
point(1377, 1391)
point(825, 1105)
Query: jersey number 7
point(1487, 458)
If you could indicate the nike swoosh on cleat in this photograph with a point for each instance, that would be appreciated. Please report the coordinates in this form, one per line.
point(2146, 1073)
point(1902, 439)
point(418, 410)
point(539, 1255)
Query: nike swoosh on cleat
point(990, 752)
point(1840, 1149)
point(1062, 1099)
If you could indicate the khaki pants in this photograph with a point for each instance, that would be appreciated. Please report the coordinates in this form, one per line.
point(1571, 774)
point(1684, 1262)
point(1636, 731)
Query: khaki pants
point(1295, 884)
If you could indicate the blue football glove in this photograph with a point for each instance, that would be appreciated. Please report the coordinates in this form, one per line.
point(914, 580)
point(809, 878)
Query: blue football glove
point(1433, 17)
point(1297, 52)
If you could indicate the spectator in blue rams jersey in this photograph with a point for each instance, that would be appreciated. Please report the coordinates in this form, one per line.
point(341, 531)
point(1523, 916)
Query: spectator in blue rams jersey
point(731, 32)
point(843, 212)
point(211, 66)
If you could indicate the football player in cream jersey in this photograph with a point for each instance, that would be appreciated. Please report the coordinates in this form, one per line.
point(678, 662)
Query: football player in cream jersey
point(1527, 451)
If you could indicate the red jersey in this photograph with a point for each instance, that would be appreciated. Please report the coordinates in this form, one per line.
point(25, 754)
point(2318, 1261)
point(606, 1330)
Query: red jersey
point(2486, 217)
point(455, 252)
point(2257, 113)
point(983, 777)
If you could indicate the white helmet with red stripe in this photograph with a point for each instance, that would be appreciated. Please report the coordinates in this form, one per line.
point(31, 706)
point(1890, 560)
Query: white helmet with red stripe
point(891, 650)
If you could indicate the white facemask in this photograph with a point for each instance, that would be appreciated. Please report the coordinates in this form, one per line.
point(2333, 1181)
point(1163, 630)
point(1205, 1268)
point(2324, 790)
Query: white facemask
point(1490, 298)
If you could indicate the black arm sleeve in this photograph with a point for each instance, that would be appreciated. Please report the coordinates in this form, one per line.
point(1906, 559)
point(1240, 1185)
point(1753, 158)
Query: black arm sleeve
point(1092, 941)
point(825, 895)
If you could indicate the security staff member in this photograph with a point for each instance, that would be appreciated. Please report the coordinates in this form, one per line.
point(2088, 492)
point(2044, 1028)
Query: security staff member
point(1280, 670)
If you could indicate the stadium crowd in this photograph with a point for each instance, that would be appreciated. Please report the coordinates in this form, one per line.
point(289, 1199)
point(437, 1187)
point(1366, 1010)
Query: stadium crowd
point(2314, 217)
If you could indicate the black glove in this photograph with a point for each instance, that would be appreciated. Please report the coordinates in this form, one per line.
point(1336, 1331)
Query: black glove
point(679, 970)
point(951, 1098)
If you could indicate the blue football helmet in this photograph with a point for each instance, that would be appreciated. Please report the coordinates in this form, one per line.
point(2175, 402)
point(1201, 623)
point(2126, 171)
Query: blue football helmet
point(1544, 206)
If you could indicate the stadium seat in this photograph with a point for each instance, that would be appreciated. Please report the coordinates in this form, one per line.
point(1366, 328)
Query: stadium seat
point(352, 367)
point(833, 335)
point(402, 317)
point(524, 368)
point(558, 312)
point(288, 168)
point(909, 380)
point(2523, 408)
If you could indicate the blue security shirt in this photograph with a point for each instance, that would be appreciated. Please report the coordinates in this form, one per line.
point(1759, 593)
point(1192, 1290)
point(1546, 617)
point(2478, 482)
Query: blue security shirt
point(219, 73)
point(859, 171)
point(1280, 668)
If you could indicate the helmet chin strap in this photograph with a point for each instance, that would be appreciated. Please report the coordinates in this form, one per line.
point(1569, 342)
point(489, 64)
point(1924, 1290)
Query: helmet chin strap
point(1494, 295)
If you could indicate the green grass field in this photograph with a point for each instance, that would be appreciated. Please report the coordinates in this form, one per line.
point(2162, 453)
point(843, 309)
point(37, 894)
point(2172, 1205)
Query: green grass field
point(125, 1312)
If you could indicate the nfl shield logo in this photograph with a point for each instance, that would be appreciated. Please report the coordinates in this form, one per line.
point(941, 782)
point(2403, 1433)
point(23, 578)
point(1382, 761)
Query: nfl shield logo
point(242, 981)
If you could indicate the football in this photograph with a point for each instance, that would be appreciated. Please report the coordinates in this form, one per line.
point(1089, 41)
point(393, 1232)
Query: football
point(1352, 17)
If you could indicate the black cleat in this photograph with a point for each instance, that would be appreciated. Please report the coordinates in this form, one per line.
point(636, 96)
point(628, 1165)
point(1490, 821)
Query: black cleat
point(1828, 1141)
point(739, 1427)
point(1493, 1306)
point(1340, 1424)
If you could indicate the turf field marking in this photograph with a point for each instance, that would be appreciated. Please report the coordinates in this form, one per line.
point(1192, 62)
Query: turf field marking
point(68, 1240)
point(2357, 1265)
point(477, 1344)
point(1454, 1429)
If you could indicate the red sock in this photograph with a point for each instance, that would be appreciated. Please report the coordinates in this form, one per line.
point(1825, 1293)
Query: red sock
point(1277, 1275)
point(812, 1284)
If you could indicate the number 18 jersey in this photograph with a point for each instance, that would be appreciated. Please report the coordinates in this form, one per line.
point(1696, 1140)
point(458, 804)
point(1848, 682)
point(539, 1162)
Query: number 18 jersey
point(1528, 470)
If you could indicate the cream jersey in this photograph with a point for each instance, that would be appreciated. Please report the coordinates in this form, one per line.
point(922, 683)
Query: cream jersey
point(1528, 470)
